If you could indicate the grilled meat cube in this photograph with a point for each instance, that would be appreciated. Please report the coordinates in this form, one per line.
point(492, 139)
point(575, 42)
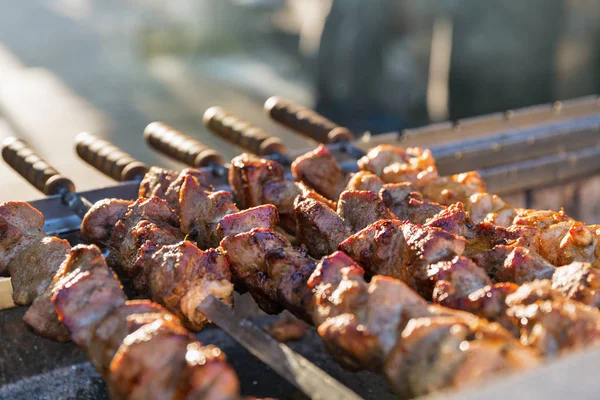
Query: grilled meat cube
point(247, 177)
point(514, 264)
point(146, 219)
point(161, 360)
point(110, 331)
point(540, 218)
point(99, 221)
point(156, 182)
point(408, 205)
point(550, 322)
point(173, 193)
point(451, 189)
point(395, 165)
point(201, 212)
point(578, 281)
point(87, 294)
point(380, 157)
point(361, 208)
point(319, 170)
point(246, 255)
point(486, 207)
point(565, 242)
point(180, 276)
point(319, 227)
point(488, 302)
point(33, 268)
point(438, 352)
point(455, 280)
point(403, 251)
point(243, 221)
point(271, 269)
point(365, 180)
point(20, 225)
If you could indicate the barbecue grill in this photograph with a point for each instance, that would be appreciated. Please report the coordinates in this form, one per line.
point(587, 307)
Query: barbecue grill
point(542, 157)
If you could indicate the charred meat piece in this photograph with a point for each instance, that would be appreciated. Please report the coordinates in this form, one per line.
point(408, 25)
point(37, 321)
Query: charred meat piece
point(365, 180)
point(319, 227)
point(243, 221)
point(550, 322)
point(361, 208)
point(87, 294)
point(247, 177)
point(408, 205)
point(319, 170)
point(20, 225)
point(146, 219)
point(156, 182)
point(180, 276)
point(514, 264)
point(201, 212)
point(99, 221)
point(403, 251)
point(578, 281)
point(270, 268)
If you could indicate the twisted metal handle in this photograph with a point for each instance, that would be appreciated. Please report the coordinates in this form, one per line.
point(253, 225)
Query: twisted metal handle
point(242, 133)
point(306, 121)
point(180, 146)
point(18, 154)
point(108, 158)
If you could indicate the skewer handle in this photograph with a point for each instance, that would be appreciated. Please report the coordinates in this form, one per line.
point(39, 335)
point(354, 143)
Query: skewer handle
point(108, 159)
point(242, 133)
point(18, 154)
point(180, 146)
point(306, 121)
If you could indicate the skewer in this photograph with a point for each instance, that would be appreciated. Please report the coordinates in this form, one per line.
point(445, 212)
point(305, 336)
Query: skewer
point(311, 124)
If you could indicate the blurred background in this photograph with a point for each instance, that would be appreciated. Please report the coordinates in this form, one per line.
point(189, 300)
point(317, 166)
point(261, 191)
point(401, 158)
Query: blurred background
point(113, 66)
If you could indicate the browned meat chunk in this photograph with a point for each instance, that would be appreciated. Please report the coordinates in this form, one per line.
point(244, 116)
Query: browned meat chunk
point(579, 282)
point(32, 270)
point(99, 221)
point(408, 205)
point(380, 157)
point(109, 333)
point(514, 264)
point(156, 182)
point(361, 208)
point(402, 250)
point(20, 225)
point(319, 170)
point(550, 322)
point(146, 219)
point(180, 276)
point(247, 177)
point(87, 294)
point(202, 211)
point(364, 180)
point(271, 269)
point(319, 227)
point(243, 221)
point(455, 280)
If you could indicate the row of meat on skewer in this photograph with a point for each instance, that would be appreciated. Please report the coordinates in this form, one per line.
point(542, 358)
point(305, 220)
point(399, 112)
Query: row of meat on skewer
point(428, 280)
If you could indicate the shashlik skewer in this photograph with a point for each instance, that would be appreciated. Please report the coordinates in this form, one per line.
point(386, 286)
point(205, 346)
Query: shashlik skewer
point(140, 349)
point(381, 326)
